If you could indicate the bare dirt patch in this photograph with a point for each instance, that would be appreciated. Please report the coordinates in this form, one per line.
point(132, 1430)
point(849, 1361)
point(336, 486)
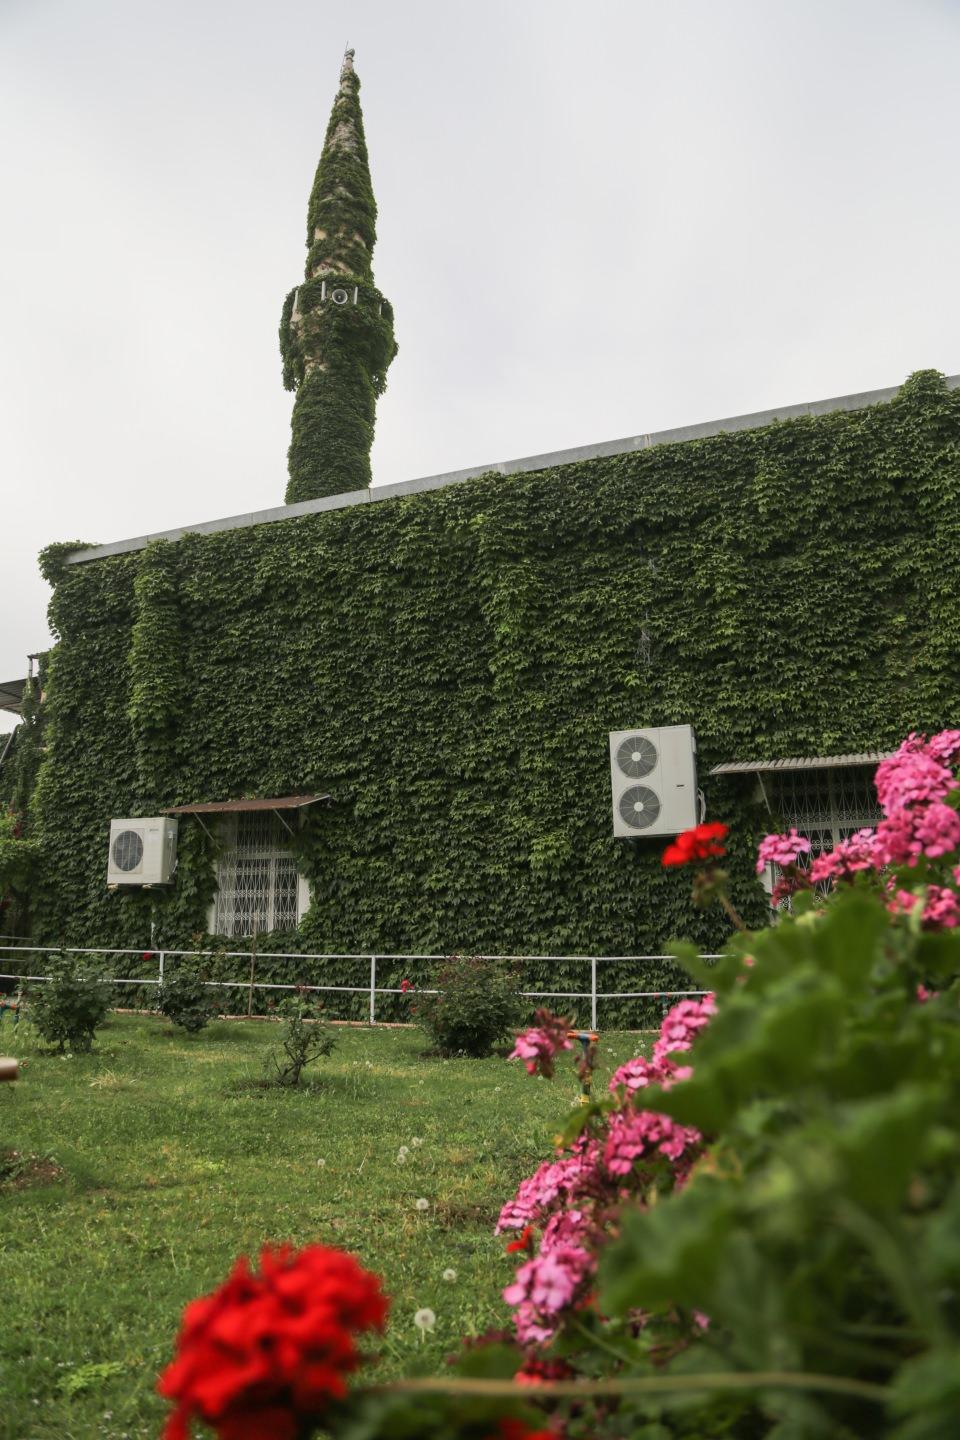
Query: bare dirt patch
point(453, 1216)
point(18, 1171)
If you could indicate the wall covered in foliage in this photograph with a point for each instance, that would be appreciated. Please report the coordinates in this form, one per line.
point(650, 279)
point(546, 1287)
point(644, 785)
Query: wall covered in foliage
point(447, 666)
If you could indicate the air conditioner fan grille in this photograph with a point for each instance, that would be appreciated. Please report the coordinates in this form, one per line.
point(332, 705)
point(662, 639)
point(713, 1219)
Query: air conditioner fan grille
point(636, 756)
point(639, 807)
point(127, 850)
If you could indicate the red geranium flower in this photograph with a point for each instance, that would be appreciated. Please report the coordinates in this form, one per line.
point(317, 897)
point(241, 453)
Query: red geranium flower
point(405, 986)
point(700, 843)
point(523, 1242)
point(535, 1371)
point(510, 1429)
point(265, 1353)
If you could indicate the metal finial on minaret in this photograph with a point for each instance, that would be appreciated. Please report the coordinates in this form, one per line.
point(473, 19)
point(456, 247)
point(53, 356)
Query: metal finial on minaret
point(346, 67)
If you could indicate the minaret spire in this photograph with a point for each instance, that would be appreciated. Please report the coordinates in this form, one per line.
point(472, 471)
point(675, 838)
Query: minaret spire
point(336, 333)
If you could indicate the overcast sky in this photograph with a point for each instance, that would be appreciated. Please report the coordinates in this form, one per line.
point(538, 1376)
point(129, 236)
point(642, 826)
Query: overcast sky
point(594, 221)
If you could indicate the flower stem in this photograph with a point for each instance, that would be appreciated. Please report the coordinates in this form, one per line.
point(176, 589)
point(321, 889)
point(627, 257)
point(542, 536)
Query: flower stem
point(594, 1337)
point(731, 911)
point(653, 1385)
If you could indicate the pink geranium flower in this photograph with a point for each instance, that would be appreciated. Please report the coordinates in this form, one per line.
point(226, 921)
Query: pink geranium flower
point(781, 849)
point(570, 1200)
point(913, 775)
point(862, 851)
point(941, 906)
point(941, 910)
point(637, 1074)
point(555, 1183)
point(681, 1024)
point(539, 1046)
point(633, 1134)
point(945, 746)
point(938, 829)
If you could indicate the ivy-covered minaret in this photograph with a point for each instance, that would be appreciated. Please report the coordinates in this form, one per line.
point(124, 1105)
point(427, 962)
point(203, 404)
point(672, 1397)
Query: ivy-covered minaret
point(336, 334)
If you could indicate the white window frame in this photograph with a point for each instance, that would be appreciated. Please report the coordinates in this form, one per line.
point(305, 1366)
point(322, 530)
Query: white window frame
point(840, 801)
point(275, 849)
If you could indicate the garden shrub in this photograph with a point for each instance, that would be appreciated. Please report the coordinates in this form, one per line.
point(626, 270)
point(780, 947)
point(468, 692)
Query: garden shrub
point(68, 1007)
point(185, 999)
point(304, 1038)
point(476, 1005)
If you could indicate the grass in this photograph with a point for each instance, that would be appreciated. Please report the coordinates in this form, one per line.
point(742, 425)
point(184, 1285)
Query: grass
point(145, 1167)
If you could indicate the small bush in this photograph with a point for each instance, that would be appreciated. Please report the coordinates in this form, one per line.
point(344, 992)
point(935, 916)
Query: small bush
point(184, 998)
point(69, 1006)
point(478, 1004)
point(304, 1038)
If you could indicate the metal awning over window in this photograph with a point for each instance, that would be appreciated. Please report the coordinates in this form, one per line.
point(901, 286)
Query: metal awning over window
point(229, 807)
point(810, 762)
point(825, 797)
point(11, 695)
point(239, 807)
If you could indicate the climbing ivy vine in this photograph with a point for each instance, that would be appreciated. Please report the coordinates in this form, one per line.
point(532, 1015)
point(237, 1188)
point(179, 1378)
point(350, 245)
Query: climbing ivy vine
point(335, 357)
point(446, 667)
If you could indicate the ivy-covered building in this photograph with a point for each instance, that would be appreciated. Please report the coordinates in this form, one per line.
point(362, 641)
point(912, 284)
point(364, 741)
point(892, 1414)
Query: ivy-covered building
point(417, 682)
point(443, 661)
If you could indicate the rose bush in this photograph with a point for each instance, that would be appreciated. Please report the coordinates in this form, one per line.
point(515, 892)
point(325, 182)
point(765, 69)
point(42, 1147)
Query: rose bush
point(183, 997)
point(71, 1004)
point(304, 1038)
point(471, 1004)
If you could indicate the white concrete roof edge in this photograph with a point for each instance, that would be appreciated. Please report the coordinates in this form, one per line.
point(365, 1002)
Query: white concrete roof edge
point(755, 421)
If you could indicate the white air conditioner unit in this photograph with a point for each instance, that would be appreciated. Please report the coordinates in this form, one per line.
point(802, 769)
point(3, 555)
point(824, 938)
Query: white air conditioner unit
point(654, 781)
point(142, 852)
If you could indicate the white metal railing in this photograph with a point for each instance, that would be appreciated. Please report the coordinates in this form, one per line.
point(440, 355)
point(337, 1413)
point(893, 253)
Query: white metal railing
point(370, 986)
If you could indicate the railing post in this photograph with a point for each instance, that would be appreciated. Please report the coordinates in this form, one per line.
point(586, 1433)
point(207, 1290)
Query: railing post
point(373, 989)
point(593, 993)
point(160, 958)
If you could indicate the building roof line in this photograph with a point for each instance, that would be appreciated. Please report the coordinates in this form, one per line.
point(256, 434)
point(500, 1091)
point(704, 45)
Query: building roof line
point(754, 421)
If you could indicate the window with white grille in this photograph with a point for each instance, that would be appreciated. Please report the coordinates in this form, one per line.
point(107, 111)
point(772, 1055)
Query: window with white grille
point(827, 805)
point(257, 881)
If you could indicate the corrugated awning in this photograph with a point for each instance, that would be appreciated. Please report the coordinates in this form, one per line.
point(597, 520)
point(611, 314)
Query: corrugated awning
point(809, 762)
point(223, 807)
point(11, 695)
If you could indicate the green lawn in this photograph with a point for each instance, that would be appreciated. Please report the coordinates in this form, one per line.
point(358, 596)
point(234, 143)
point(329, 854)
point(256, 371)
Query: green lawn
point(171, 1167)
